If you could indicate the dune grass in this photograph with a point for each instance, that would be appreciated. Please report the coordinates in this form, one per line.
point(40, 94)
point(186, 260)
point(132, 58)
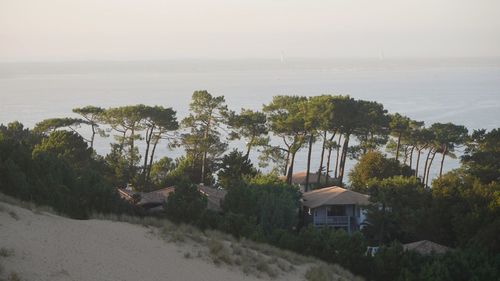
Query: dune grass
point(12, 276)
point(330, 272)
point(252, 258)
point(37, 209)
point(4, 252)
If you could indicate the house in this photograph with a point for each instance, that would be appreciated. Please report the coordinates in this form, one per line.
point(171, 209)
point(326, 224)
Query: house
point(335, 207)
point(215, 196)
point(423, 247)
point(150, 201)
point(299, 179)
point(153, 201)
point(426, 247)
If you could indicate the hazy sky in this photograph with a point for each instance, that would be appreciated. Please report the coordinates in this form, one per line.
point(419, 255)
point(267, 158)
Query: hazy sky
point(161, 29)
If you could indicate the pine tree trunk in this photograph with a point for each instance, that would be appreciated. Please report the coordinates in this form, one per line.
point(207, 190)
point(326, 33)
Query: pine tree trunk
point(411, 156)
point(337, 159)
point(429, 168)
point(343, 159)
point(445, 151)
point(249, 146)
point(320, 169)
point(204, 158)
point(148, 176)
point(290, 169)
point(426, 164)
point(285, 173)
point(146, 155)
point(131, 153)
point(92, 137)
point(327, 172)
point(397, 146)
point(418, 162)
point(309, 161)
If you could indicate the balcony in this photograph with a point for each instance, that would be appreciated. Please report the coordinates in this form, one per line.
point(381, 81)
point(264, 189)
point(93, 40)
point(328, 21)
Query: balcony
point(332, 221)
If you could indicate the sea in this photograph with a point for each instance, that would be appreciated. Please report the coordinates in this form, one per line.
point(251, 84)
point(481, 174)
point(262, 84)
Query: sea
point(463, 91)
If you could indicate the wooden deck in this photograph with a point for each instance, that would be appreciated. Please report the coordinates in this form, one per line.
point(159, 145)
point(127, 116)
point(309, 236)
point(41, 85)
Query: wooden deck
point(347, 222)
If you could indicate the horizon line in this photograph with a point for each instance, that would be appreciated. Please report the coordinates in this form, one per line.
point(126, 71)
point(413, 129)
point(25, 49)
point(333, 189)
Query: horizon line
point(277, 59)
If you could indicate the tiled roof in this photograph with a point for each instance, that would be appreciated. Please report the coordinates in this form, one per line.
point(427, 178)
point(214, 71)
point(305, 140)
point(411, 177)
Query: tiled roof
point(333, 196)
point(426, 247)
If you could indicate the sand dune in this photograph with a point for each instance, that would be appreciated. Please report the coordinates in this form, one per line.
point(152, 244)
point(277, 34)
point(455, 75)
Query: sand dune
point(49, 247)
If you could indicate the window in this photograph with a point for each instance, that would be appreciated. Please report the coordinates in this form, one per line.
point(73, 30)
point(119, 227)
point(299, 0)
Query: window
point(336, 210)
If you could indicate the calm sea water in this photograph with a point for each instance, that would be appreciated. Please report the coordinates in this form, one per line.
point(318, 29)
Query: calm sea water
point(462, 91)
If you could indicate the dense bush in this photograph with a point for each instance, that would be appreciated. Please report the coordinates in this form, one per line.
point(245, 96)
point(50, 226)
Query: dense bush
point(399, 211)
point(466, 210)
point(471, 263)
point(374, 165)
point(273, 204)
point(56, 170)
point(185, 204)
point(234, 168)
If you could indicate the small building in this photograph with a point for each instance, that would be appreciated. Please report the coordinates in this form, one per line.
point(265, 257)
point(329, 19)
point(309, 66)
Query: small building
point(426, 247)
point(150, 201)
point(335, 207)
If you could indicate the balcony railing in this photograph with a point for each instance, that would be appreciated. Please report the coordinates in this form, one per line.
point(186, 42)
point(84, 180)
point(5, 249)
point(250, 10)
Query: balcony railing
point(332, 220)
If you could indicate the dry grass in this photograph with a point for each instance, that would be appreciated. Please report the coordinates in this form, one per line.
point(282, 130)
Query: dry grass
point(14, 215)
point(25, 205)
point(13, 276)
point(250, 257)
point(4, 252)
point(329, 272)
point(220, 248)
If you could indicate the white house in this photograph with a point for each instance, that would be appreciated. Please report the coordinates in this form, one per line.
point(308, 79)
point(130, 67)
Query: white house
point(335, 207)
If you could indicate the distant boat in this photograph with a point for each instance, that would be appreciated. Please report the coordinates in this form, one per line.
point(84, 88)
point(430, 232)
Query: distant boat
point(282, 57)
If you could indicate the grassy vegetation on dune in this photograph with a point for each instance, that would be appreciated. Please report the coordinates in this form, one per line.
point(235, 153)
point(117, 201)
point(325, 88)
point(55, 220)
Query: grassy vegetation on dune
point(6, 253)
point(37, 209)
point(252, 258)
point(223, 249)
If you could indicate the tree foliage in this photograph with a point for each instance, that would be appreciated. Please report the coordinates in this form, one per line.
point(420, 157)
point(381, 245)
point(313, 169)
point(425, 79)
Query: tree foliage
point(482, 155)
point(373, 165)
point(251, 125)
point(234, 168)
point(202, 142)
point(186, 203)
point(399, 210)
point(57, 170)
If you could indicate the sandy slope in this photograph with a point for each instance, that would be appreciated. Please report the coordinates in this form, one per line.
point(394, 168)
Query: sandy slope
point(49, 247)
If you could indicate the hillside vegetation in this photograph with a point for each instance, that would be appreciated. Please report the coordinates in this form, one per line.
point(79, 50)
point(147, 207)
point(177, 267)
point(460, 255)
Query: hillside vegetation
point(55, 164)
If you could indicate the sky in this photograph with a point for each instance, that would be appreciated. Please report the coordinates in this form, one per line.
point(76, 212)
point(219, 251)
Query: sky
point(66, 30)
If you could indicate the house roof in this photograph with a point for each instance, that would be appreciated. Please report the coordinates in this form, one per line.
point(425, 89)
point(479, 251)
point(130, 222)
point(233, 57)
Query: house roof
point(126, 194)
point(155, 197)
point(333, 195)
point(214, 196)
point(426, 247)
point(300, 178)
point(158, 196)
